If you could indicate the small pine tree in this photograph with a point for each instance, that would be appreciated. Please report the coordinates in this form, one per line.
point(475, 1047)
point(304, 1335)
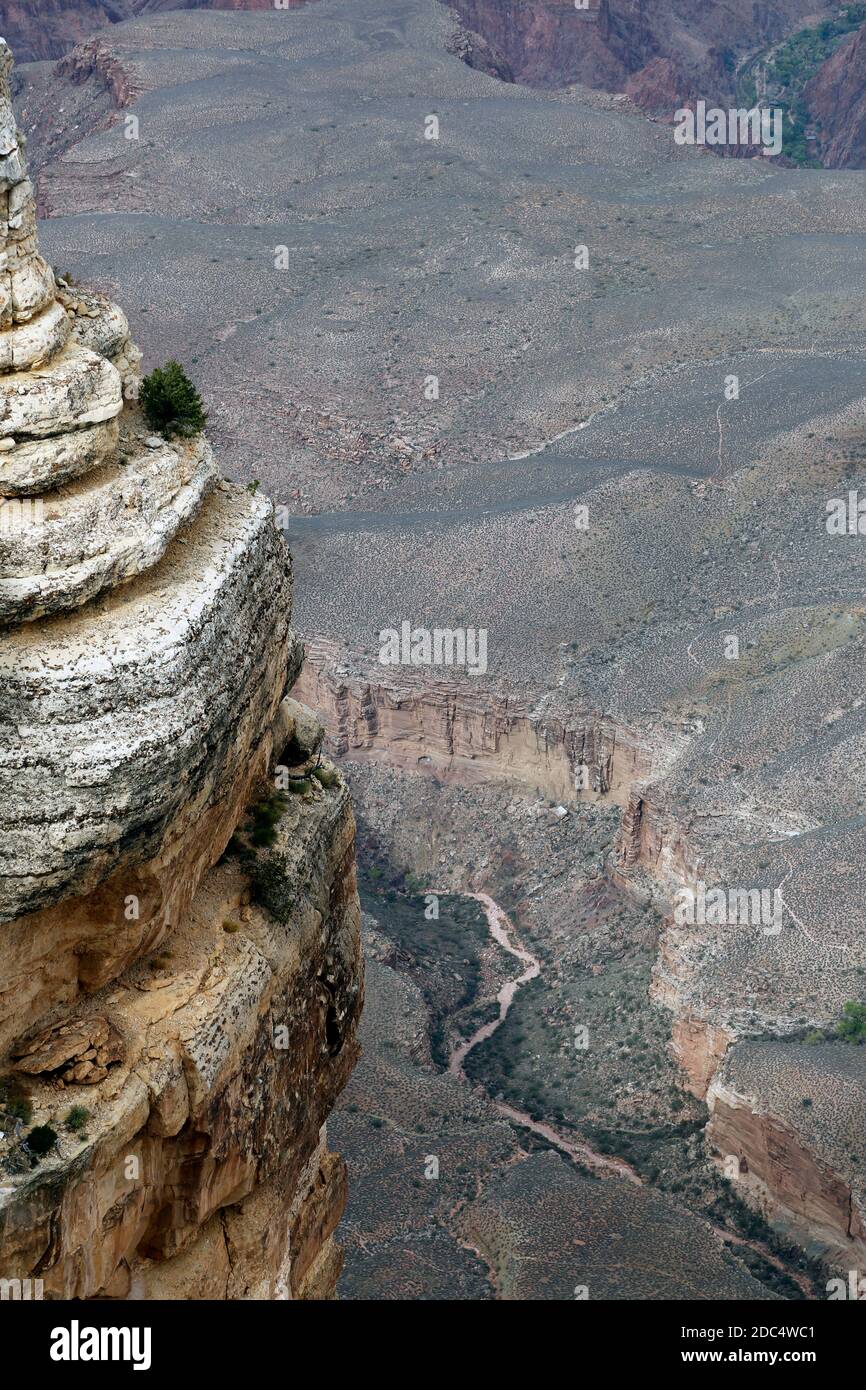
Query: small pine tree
point(171, 403)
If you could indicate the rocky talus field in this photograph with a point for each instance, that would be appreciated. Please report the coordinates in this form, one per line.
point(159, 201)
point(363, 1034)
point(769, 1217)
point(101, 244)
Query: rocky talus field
point(537, 370)
point(180, 976)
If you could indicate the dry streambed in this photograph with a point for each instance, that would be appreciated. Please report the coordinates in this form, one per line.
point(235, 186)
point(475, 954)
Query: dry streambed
point(503, 933)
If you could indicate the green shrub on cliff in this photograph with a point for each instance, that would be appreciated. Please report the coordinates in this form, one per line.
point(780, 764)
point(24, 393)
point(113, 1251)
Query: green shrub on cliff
point(266, 816)
point(273, 886)
point(326, 776)
point(171, 403)
point(77, 1118)
point(14, 1101)
point(852, 1025)
point(41, 1140)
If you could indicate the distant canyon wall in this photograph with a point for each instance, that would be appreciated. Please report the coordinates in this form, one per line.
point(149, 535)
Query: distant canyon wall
point(40, 29)
point(462, 734)
point(659, 50)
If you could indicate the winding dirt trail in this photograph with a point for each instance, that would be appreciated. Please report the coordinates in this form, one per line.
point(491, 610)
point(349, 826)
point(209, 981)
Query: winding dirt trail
point(501, 929)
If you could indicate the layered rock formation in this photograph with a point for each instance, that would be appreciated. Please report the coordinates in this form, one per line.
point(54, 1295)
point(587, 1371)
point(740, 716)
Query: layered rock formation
point(659, 53)
point(176, 1020)
point(466, 735)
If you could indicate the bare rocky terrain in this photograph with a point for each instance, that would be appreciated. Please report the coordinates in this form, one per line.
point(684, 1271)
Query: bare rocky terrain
point(698, 388)
point(38, 29)
point(806, 55)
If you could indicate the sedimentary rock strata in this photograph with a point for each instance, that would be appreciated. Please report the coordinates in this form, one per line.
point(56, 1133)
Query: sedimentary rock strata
point(467, 735)
point(721, 984)
point(787, 1118)
point(174, 1024)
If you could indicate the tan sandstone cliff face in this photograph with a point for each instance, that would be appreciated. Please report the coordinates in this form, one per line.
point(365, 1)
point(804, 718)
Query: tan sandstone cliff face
point(462, 734)
point(180, 970)
point(204, 1170)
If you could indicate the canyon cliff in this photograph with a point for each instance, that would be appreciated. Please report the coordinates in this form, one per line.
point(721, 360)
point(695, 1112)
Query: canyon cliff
point(836, 100)
point(782, 1117)
point(179, 931)
point(660, 53)
point(51, 27)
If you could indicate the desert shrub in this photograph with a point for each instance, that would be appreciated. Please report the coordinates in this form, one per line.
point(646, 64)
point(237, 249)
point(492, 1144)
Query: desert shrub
point(326, 776)
point(15, 1102)
point(171, 403)
point(77, 1118)
point(852, 1025)
point(272, 888)
point(41, 1139)
point(266, 816)
point(300, 785)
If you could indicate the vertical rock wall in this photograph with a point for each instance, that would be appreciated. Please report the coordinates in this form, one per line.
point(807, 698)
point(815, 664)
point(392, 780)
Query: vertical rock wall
point(180, 973)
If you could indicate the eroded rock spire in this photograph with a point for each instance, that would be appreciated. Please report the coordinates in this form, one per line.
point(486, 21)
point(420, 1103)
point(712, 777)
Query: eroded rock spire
point(89, 500)
point(146, 660)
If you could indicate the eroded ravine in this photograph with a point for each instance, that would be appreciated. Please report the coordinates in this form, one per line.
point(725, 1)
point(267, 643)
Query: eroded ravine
point(502, 930)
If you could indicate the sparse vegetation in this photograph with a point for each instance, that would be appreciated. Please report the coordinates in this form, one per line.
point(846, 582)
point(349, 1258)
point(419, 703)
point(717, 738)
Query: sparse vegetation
point(171, 404)
point(851, 1028)
point(326, 776)
point(15, 1101)
point(266, 816)
point(273, 886)
point(299, 786)
point(77, 1118)
point(41, 1140)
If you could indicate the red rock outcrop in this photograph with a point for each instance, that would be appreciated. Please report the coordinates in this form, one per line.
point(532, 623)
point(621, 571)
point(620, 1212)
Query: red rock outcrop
point(95, 59)
point(836, 99)
point(657, 50)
